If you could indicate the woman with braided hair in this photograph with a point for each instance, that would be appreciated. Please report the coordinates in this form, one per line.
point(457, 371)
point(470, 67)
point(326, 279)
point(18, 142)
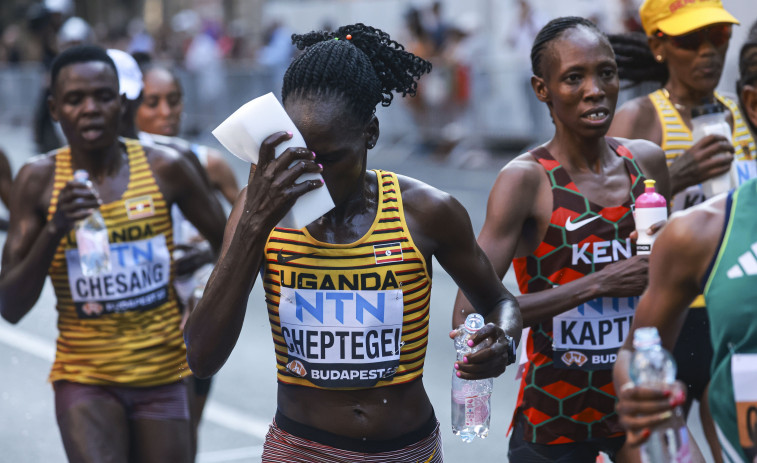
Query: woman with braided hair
point(684, 51)
point(348, 295)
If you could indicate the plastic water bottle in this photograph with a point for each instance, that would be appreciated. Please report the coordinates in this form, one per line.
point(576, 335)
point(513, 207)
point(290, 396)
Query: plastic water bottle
point(92, 238)
point(654, 367)
point(649, 209)
point(710, 119)
point(471, 399)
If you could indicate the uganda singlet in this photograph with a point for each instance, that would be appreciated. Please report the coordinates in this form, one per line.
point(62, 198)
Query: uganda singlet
point(349, 315)
point(566, 393)
point(120, 328)
point(730, 295)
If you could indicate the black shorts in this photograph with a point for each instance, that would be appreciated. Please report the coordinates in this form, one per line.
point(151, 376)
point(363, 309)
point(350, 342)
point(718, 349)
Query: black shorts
point(693, 354)
point(522, 451)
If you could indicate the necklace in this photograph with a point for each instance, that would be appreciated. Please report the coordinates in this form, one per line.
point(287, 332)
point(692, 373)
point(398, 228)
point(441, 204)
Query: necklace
point(678, 106)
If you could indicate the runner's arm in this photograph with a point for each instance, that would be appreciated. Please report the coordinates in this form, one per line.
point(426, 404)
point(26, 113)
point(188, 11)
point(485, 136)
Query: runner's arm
point(32, 241)
point(181, 183)
point(678, 262)
point(214, 325)
point(442, 224)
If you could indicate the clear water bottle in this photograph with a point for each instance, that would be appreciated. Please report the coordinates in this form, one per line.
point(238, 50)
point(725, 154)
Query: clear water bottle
point(92, 238)
point(653, 367)
point(471, 399)
point(710, 119)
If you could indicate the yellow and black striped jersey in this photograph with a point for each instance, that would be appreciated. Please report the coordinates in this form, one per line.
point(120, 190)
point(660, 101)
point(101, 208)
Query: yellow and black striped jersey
point(349, 315)
point(120, 327)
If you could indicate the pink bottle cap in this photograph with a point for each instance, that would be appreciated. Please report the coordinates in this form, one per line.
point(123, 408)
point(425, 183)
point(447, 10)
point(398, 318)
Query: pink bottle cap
point(650, 198)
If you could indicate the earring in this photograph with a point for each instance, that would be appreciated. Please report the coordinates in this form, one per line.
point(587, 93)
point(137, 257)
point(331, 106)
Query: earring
point(658, 58)
point(370, 144)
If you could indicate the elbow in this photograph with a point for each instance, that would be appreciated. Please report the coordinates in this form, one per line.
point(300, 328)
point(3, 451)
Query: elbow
point(197, 365)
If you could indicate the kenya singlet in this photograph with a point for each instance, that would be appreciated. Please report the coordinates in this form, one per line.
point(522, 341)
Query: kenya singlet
point(120, 328)
point(730, 295)
point(566, 393)
point(349, 315)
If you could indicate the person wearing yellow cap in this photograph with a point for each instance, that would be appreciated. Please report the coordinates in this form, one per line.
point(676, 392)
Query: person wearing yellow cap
point(710, 246)
point(683, 48)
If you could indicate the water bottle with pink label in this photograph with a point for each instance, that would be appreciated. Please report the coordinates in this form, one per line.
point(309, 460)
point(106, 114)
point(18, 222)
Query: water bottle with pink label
point(650, 208)
point(471, 399)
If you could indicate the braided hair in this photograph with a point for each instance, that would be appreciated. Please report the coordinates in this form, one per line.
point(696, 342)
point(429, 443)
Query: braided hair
point(359, 63)
point(553, 30)
point(636, 63)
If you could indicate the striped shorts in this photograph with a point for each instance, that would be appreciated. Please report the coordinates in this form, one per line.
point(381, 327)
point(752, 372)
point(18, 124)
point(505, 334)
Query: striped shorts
point(284, 447)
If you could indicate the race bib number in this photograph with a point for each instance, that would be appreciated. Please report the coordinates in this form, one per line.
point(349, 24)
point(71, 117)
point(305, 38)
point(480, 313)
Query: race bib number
point(340, 339)
point(138, 281)
point(588, 337)
point(743, 170)
point(744, 374)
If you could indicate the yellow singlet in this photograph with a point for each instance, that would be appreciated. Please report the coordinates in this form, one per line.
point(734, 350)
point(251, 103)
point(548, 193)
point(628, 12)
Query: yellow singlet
point(354, 315)
point(120, 328)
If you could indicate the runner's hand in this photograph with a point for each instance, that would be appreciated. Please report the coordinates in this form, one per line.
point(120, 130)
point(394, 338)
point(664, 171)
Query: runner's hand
point(709, 157)
point(76, 201)
point(640, 409)
point(627, 277)
point(493, 357)
point(273, 188)
point(651, 231)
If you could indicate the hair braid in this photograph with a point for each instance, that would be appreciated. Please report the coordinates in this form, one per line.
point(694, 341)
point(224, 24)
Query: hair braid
point(636, 63)
point(366, 69)
point(553, 30)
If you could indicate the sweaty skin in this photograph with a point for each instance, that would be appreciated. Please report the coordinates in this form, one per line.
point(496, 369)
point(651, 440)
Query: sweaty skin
point(439, 225)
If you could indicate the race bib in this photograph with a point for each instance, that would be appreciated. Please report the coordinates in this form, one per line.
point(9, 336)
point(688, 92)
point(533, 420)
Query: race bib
point(588, 337)
point(743, 170)
point(687, 198)
point(744, 374)
point(139, 277)
point(339, 339)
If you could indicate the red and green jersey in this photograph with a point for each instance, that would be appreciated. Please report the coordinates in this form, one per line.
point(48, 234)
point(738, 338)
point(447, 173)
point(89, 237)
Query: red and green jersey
point(566, 393)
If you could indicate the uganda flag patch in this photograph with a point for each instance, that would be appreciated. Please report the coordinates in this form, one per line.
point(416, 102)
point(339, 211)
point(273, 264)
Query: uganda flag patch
point(138, 208)
point(388, 253)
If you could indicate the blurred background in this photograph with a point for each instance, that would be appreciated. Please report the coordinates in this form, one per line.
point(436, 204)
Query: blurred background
point(477, 102)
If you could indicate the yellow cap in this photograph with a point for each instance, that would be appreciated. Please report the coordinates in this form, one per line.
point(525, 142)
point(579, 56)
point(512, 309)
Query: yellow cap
point(649, 183)
point(679, 17)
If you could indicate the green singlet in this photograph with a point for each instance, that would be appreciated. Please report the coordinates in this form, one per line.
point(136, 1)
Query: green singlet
point(730, 293)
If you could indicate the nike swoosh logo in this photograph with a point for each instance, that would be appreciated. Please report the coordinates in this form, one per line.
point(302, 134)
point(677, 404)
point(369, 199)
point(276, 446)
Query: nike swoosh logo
point(283, 259)
point(570, 226)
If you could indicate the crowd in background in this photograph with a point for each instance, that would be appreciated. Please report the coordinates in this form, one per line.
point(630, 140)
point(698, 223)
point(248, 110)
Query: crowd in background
point(204, 47)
